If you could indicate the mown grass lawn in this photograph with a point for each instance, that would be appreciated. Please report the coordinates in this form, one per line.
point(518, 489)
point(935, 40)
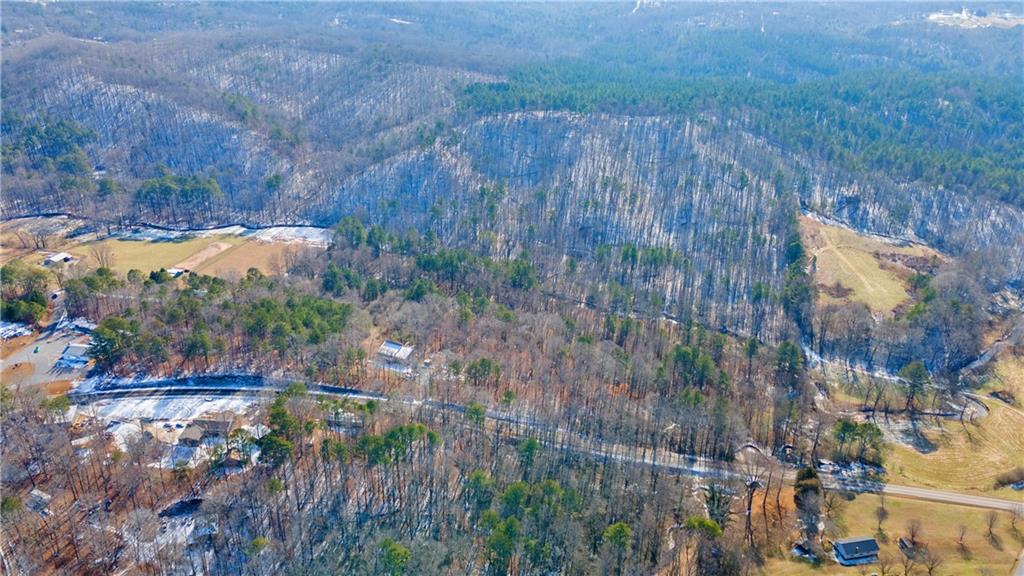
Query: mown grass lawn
point(968, 457)
point(940, 531)
point(148, 255)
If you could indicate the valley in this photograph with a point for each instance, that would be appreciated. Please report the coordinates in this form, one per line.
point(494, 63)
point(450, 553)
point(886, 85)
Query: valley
point(345, 288)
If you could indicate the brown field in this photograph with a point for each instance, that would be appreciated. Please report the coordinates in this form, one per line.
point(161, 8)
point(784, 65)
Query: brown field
point(147, 255)
point(11, 250)
point(11, 346)
point(223, 255)
point(17, 372)
point(1008, 375)
point(196, 260)
point(57, 387)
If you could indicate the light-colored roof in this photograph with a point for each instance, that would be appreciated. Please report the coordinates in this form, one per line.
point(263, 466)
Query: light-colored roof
point(59, 257)
point(38, 500)
point(76, 349)
point(194, 432)
point(395, 350)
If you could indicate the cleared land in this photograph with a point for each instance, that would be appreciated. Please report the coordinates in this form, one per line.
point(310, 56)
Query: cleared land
point(196, 260)
point(32, 363)
point(268, 257)
point(1008, 375)
point(967, 457)
point(940, 522)
point(146, 255)
point(219, 254)
point(855, 264)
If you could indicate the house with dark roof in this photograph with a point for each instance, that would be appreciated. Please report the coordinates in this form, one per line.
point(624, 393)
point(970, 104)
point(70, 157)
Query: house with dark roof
point(855, 551)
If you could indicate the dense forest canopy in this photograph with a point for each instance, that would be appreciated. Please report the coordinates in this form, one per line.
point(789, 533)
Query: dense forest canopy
point(952, 129)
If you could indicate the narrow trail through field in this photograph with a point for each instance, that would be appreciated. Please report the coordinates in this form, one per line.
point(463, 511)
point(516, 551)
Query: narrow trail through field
point(830, 245)
point(197, 259)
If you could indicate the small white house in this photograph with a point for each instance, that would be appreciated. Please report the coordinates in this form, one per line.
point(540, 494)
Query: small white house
point(58, 258)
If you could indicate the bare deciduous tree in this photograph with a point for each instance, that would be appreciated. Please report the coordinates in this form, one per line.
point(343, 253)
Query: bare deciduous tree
point(103, 254)
point(990, 522)
point(913, 531)
point(932, 561)
point(885, 564)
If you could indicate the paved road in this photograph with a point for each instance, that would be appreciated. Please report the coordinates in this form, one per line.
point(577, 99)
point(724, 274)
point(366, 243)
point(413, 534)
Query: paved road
point(665, 461)
point(954, 498)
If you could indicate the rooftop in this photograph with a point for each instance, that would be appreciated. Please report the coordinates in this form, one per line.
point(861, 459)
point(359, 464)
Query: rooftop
point(858, 547)
point(58, 257)
point(391, 349)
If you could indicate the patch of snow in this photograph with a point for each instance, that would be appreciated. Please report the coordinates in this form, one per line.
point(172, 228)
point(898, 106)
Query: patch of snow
point(172, 408)
point(311, 235)
point(10, 330)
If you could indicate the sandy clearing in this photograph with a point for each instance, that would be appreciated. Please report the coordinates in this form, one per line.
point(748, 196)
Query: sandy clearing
point(57, 387)
point(13, 345)
point(17, 372)
point(196, 260)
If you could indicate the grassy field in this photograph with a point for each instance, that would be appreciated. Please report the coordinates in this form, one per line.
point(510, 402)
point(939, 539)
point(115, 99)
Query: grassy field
point(981, 556)
point(147, 255)
point(268, 257)
point(968, 457)
point(848, 259)
point(1008, 374)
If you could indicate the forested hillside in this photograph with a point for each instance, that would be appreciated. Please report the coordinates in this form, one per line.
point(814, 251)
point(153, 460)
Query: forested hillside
point(508, 288)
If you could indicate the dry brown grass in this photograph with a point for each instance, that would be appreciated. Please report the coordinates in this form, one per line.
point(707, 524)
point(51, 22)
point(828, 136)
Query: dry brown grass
point(196, 260)
point(1008, 374)
point(57, 387)
point(267, 257)
point(146, 255)
point(847, 259)
point(940, 522)
point(17, 372)
point(8, 347)
point(968, 457)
